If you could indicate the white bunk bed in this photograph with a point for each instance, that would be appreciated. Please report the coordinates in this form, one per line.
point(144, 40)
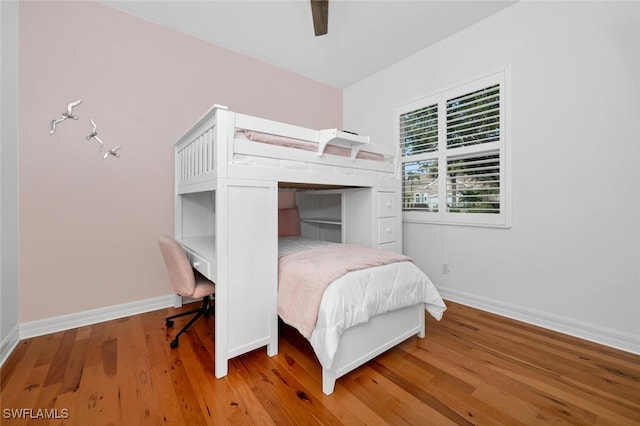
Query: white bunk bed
point(226, 196)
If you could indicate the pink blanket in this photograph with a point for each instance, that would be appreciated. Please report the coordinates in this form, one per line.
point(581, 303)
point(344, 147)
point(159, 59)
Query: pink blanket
point(304, 275)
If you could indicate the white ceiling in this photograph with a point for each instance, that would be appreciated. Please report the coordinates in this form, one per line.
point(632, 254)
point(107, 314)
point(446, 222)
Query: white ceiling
point(364, 36)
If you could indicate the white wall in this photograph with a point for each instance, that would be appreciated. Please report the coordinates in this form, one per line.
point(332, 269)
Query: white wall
point(9, 290)
point(571, 260)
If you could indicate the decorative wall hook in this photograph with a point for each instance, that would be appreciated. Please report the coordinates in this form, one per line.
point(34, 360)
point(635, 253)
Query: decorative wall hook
point(112, 152)
point(94, 134)
point(65, 115)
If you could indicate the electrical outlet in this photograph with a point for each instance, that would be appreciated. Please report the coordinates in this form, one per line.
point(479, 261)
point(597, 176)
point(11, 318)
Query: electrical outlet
point(445, 268)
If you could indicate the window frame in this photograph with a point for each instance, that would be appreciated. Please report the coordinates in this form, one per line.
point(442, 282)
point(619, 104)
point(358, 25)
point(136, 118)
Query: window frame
point(502, 147)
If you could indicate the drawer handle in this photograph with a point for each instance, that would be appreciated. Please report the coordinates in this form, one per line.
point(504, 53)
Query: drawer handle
point(196, 264)
point(388, 204)
point(388, 230)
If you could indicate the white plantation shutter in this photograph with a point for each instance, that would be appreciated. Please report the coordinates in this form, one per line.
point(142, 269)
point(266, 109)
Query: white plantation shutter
point(420, 185)
point(454, 159)
point(419, 130)
point(474, 118)
point(473, 184)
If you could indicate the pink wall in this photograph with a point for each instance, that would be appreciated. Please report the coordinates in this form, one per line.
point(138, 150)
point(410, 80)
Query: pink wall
point(88, 226)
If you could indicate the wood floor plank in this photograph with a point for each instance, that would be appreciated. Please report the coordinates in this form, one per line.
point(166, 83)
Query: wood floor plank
point(518, 360)
point(81, 404)
point(343, 409)
point(134, 372)
point(187, 398)
point(73, 373)
point(278, 388)
point(15, 371)
point(84, 404)
point(210, 393)
point(473, 367)
point(19, 359)
point(243, 398)
point(489, 386)
point(169, 409)
point(409, 405)
point(366, 389)
point(27, 389)
point(297, 357)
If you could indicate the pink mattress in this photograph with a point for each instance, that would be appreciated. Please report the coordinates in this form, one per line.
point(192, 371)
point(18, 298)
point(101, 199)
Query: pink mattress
point(308, 145)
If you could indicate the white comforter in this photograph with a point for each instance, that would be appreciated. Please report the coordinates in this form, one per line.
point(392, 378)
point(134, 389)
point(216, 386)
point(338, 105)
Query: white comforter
point(358, 296)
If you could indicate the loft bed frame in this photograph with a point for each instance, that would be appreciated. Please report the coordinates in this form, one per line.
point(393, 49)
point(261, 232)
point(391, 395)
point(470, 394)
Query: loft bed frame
point(214, 149)
point(226, 193)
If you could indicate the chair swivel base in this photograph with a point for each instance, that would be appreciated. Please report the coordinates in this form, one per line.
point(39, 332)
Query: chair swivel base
point(204, 310)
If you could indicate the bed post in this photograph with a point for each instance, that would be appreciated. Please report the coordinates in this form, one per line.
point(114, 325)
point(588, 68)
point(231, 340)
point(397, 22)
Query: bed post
point(328, 381)
point(421, 333)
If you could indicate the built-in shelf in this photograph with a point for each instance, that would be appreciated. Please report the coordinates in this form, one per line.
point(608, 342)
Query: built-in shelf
point(336, 222)
point(320, 214)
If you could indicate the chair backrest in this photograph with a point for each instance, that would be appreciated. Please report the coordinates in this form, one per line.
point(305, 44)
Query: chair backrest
point(180, 272)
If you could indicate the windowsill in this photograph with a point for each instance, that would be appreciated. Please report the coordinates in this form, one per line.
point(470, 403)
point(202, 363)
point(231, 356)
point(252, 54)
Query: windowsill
point(406, 219)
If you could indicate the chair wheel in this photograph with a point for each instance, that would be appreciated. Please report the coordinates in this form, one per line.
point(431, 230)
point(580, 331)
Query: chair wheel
point(174, 343)
point(169, 323)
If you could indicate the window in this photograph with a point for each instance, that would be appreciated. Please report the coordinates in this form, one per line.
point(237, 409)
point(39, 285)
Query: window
point(454, 155)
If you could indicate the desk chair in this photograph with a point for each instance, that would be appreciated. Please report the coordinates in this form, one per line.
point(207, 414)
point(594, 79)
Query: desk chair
point(185, 282)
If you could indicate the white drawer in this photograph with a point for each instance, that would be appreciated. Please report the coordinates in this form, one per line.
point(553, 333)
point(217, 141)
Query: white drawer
point(200, 264)
point(386, 204)
point(386, 230)
point(394, 247)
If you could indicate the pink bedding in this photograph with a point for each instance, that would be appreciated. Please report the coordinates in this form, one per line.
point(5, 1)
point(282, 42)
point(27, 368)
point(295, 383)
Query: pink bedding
point(309, 146)
point(304, 275)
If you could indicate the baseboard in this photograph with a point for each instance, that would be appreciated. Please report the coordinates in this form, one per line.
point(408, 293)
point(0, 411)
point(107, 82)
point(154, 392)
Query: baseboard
point(8, 344)
point(593, 333)
point(80, 319)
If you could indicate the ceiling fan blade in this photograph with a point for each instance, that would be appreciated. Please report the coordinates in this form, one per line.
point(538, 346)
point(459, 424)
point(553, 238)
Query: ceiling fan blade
point(320, 13)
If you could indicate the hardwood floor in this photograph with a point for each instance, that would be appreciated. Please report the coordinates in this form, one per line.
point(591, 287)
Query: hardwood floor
point(472, 368)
